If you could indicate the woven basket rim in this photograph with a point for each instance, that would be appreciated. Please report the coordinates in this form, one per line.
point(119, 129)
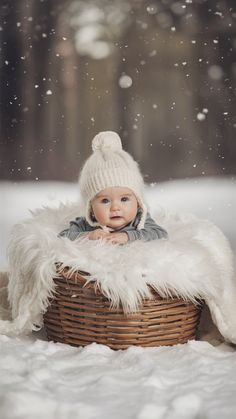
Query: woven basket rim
point(79, 276)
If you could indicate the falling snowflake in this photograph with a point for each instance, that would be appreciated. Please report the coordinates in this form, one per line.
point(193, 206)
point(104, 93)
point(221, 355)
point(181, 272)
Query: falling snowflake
point(152, 9)
point(215, 72)
point(125, 81)
point(201, 116)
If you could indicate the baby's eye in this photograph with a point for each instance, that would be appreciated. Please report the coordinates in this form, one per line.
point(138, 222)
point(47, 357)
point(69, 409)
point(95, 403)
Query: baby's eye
point(104, 201)
point(124, 199)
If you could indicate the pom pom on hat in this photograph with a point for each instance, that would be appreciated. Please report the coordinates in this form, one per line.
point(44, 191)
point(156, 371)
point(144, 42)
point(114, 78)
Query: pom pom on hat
point(107, 141)
point(110, 166)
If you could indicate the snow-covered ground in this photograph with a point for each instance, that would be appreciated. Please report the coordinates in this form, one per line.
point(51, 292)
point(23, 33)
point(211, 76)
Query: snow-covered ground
point(42, 379)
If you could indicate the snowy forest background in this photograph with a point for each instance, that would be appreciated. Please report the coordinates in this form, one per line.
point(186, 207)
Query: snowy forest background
point(160, 72)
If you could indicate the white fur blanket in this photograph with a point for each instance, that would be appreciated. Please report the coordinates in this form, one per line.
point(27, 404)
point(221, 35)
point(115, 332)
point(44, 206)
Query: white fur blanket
point(195, 262)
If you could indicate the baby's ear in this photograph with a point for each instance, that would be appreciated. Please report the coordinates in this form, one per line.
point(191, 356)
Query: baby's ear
point(92, 216)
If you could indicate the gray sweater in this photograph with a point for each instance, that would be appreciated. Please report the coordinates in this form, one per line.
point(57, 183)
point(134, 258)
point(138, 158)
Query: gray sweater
point(151, 230)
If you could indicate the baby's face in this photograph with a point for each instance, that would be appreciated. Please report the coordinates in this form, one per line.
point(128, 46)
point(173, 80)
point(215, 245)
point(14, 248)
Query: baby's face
point(115, 207)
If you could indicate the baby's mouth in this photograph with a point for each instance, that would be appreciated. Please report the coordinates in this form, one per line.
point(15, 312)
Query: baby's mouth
point(115, 217)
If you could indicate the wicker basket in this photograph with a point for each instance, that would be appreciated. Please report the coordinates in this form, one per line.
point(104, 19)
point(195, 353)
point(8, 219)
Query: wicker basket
point(80, 314)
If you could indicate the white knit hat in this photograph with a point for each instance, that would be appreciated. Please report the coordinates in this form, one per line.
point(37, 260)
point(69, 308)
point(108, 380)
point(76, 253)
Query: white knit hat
point(109, 166)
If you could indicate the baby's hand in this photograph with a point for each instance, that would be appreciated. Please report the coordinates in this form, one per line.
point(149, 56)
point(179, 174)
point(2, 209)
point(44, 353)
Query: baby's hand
point(117, 238)
point(97, 234)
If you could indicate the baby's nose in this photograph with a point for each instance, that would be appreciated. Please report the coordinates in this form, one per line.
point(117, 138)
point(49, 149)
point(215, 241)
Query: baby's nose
point(115, 205)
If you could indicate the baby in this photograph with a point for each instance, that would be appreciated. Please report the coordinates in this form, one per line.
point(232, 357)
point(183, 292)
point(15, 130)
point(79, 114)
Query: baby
point(111, 187)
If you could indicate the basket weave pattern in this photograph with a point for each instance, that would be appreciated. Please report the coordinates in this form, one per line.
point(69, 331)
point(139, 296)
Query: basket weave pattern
point(80, 314)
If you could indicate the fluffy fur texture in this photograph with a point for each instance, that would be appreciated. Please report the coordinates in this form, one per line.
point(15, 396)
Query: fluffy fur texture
point(196, 262)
